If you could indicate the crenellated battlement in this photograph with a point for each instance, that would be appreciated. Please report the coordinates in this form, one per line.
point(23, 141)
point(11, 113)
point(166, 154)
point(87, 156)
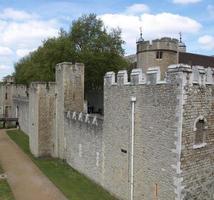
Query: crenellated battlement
point(165, 43)
point(20, 91)
point(196, 75)
point(77, 67)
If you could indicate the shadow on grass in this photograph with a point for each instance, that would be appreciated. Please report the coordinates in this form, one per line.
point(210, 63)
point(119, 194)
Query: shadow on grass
point(74, 185)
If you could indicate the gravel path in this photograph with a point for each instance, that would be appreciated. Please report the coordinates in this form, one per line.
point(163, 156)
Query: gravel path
point(24, 177)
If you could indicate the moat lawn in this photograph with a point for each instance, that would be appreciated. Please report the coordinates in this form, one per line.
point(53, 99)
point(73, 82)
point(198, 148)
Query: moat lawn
point(74, 185)
point(5, 192)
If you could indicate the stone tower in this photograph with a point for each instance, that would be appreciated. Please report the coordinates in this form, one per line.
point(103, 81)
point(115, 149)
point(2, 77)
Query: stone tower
point(41, 118)
point(160, 52)
point(69, 96)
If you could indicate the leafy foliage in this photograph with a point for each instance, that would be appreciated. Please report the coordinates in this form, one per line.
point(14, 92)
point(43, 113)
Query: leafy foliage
point(87, 41)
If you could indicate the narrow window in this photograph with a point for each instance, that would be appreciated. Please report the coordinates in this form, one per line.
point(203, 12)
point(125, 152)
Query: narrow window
point(199, 134)
point(6, 96)
point(159, 55)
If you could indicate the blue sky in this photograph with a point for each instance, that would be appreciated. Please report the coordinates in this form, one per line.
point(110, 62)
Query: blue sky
point(25, 24)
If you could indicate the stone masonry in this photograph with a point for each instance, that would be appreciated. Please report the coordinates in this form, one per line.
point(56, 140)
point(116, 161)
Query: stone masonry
point(171, 121)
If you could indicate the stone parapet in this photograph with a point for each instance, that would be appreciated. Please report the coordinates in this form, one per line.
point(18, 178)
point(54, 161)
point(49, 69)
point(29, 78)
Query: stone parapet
point(196, 75)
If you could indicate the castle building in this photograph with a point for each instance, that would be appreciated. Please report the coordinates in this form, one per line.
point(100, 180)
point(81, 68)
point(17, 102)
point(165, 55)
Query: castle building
point(155, 140)
point(166, 51)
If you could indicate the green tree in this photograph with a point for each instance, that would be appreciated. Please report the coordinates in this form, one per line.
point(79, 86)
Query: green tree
point(87, 41)
point(40, 64)
point(99, 50)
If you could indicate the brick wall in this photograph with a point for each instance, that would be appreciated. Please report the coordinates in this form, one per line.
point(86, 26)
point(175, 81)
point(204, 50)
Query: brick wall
point(197, 162)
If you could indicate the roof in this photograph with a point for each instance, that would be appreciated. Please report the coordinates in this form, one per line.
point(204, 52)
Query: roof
point(196, 59)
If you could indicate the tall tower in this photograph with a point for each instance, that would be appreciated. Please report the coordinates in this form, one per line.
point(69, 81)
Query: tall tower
point(160, 52)
point(69, 96)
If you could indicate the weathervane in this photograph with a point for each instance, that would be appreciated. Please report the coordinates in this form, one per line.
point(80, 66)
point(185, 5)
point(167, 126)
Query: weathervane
point(141, 32)
point(180, 34)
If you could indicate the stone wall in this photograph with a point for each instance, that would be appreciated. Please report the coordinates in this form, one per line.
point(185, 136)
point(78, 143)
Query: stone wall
point(2, 96)
point(161, 114)
point(6, 91)
point(197, 160)
point(70, 96)
point(21, 106)
point(155, 136)
point(42, 118)
point(83, 144)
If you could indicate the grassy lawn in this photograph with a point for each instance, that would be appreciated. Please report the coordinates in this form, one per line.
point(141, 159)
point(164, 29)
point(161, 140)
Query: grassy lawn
point(5, 192)
point(74, 185)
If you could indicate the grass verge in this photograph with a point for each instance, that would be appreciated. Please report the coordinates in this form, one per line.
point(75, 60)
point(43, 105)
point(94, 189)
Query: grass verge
point(5, 192)
point(74, 185)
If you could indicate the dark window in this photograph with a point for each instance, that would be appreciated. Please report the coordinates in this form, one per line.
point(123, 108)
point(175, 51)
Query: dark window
point(200, 131)
point(5, 96)
point(159, 55)
point(123, 151)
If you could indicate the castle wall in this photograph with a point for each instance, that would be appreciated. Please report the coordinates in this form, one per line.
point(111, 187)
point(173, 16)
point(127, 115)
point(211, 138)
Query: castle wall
point(33, 121)
point(6, 90)
point(2, 96)
point(21, 106)
point(155, 137)
point(197, 160)
point(167, 164)
point(70, 96)
point(84, 139)
point(42, 118)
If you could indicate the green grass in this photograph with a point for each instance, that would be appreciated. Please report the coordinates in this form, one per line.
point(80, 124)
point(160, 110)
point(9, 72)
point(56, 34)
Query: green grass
point(5, 192)
point(74, 185)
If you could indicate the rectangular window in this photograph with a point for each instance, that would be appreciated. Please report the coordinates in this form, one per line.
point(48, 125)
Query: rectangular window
point(159, 55)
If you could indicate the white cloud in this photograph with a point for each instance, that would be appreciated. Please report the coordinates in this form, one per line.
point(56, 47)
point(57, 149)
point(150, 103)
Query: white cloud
point(21, 32)
point(207, 42)
point(23, 52)
point(10, 13)
point(28, 33)
point(185, 1)
point(5, 51)
point(137, 8)
point(154, 26)
point(3, 67)
point(25, 34)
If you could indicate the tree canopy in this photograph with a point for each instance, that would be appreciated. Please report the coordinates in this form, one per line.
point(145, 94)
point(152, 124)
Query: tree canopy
point(87, 41)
